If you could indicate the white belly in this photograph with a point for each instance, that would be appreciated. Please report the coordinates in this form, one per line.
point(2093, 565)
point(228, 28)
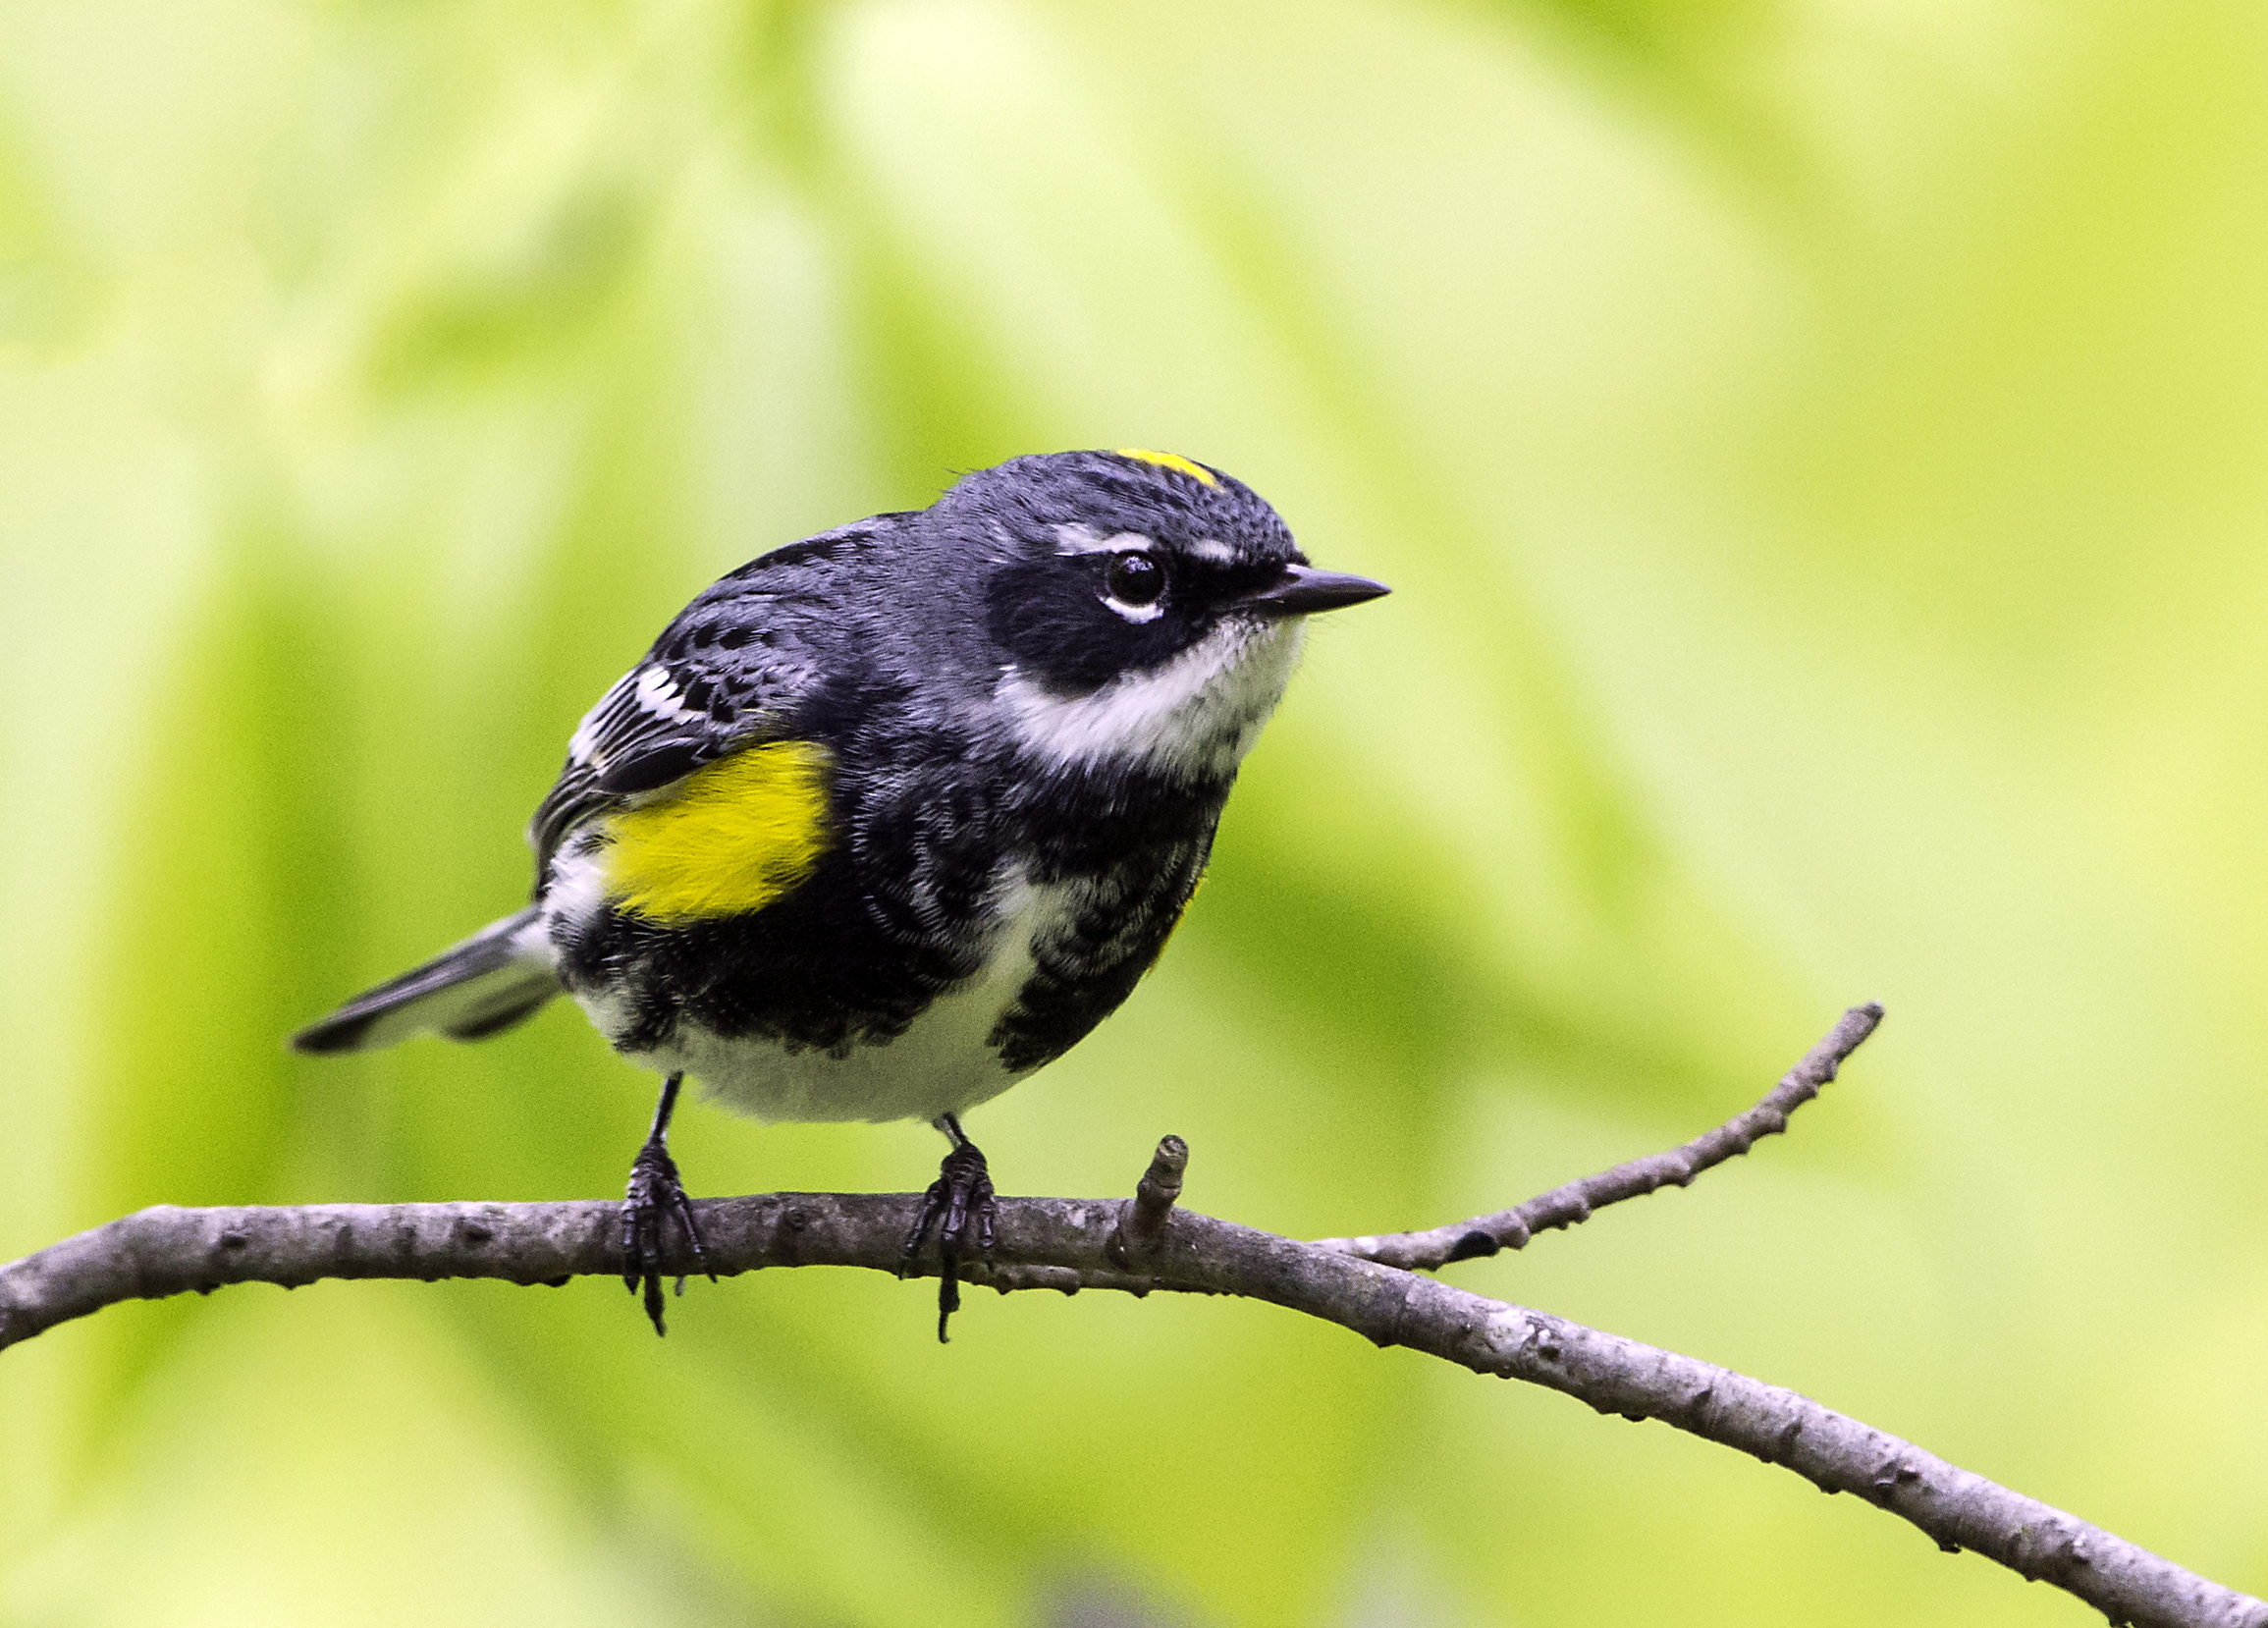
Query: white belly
point(944, 1063)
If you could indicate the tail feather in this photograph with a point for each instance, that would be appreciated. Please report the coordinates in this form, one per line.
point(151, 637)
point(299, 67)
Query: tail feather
point(469, 991)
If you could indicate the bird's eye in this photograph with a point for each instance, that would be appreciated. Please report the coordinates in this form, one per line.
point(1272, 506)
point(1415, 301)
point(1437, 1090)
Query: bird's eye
point(1135, 579)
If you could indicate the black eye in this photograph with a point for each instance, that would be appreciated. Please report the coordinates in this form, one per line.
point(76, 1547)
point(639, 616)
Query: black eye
point(1135, 579)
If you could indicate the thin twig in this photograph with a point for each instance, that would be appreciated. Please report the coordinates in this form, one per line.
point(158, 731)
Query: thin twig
point(1064, 1244)
point(1578, 1201)
point(1141, 1223)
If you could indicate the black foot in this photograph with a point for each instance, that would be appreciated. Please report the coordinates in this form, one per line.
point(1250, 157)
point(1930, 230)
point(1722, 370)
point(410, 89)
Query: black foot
point(654, 1193)
point(959, 1207)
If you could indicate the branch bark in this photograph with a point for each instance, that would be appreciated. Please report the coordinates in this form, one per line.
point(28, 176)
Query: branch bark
point(1578, 1201)
point(1148, 1245)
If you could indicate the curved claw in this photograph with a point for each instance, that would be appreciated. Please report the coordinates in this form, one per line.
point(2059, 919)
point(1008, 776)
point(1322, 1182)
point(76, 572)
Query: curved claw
point(655, 1192)
point(960, 1205)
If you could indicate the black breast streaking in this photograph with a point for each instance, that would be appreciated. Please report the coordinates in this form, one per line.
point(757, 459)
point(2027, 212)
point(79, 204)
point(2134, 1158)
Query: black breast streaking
point(931, 833)
point(1128, 849)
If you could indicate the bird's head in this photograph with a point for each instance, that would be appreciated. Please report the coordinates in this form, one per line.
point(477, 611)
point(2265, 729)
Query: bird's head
point(1146, 609)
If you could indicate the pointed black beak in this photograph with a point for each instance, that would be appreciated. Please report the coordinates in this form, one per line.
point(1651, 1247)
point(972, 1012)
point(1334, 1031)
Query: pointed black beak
point(1302, 590)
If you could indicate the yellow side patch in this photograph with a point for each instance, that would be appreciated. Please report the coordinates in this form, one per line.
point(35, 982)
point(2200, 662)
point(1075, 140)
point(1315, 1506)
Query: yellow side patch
point(735, 836)
point(1172, 460)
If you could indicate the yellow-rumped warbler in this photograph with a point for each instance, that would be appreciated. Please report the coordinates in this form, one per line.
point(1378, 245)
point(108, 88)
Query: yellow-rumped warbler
point(893, 816)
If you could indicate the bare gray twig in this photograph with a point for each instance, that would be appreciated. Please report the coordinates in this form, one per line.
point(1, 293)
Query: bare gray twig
point(1066, 1244)
point(1141, 1223)
point(1577, 1201)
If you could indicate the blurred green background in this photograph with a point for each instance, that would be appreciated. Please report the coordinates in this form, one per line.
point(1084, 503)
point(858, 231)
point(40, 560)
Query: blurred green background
point(1818, 448)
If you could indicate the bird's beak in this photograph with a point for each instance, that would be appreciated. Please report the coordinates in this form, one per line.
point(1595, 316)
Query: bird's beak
point(1302, 590)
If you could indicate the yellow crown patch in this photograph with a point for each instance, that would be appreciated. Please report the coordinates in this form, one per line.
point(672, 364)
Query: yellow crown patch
point(1172, 460)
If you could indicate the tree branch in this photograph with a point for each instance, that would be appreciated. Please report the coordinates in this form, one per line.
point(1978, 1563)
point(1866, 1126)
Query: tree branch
point(1147, 1244)
point(1578, 1201)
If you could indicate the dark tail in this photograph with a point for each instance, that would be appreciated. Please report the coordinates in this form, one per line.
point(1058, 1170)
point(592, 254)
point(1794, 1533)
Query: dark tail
point(489, 982)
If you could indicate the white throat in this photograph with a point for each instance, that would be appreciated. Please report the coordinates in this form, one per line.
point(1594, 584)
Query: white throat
point(1191, 716)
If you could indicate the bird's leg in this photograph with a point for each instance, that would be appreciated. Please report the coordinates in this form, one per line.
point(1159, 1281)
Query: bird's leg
point(655, 1192)
point(959, 1205)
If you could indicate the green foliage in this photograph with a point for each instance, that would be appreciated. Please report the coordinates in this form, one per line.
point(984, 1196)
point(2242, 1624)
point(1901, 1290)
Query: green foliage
point(1816, 448)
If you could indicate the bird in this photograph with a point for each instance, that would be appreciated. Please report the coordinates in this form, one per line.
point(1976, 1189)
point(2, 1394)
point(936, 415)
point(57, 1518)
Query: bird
point(892, 816)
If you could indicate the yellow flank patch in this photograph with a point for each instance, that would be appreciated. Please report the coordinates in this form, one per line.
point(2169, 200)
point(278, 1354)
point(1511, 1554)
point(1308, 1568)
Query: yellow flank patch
point(1172, 460)
point(734, 837)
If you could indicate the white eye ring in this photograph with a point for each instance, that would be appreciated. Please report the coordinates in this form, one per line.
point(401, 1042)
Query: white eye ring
point(1129, 574)
point(1135, 613)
